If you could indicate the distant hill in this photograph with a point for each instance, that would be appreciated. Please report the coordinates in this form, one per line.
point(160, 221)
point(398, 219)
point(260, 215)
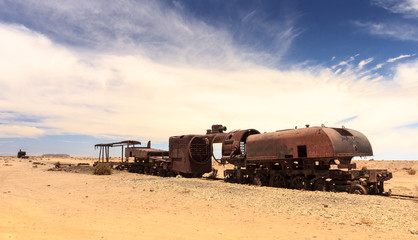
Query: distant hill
point(55, 155)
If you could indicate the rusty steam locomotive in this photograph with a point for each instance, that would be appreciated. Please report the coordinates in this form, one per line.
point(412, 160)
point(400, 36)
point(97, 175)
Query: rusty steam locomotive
point(316, 158)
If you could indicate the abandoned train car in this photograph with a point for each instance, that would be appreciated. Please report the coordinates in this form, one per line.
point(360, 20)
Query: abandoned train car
point(311, 158)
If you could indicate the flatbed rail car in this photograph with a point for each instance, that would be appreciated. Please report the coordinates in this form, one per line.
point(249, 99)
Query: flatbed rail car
point(314, 158)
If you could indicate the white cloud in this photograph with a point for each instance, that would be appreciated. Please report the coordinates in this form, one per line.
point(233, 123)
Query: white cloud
point(378, 66)
point(17, 131)
point(132, 95)
point(400, 31)
point(406, 76)
point(151, 28)
point(400, 57)
point(346, 62)
point(407, 7)
point(362, 63)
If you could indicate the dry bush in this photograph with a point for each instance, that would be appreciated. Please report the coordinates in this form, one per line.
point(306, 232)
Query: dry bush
point(364, 168)
point(411, 171)
point(102, 169)
point(366, 221)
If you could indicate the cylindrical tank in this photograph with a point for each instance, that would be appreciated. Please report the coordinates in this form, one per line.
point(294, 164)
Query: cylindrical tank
point(310, 142)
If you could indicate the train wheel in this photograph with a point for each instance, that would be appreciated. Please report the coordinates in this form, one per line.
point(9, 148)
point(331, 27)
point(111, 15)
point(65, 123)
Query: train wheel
point(358, 189)
point(320, 185)
point(300, 182)
point(278, 180)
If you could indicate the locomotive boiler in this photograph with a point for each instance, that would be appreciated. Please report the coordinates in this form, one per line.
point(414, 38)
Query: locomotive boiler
point(311, 158)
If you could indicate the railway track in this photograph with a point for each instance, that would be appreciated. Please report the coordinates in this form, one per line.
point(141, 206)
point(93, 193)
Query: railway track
point(401, 196)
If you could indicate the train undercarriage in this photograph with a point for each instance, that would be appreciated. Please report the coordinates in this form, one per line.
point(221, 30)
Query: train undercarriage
point(300, 174)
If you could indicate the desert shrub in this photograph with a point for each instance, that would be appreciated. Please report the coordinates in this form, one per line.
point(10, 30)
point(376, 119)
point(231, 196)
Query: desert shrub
point(411, 171)
point(366, 221)
point(102, 169)
point(364, 168)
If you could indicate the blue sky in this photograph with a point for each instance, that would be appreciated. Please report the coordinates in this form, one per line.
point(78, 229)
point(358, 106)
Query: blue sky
point(78, 72)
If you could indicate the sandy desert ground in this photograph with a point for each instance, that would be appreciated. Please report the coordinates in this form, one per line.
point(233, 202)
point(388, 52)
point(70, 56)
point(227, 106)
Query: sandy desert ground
point(39, 204)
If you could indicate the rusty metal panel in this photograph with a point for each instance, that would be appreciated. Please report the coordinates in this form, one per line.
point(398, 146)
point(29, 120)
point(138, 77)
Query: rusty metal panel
point(348, 142)
point(191, 154)
point(141, 152)
point(286, 144)
point(349, 166)
point(311, 142)
point(376, 175)
point(232, 141)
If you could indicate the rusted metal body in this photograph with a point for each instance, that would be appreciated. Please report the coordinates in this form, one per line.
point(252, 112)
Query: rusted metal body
point(21, 154)
point(312, 142)
point(148, 160)
point(317, 158)
point(192, 154)
point(234, 143)
point(303, 159)
point(144, 153)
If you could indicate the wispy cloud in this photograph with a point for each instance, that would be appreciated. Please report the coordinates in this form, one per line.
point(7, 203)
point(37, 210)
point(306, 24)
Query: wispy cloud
point(412, 125)
point(400, 57)
point(362, 63)
point(347, 120)
point(378, 66)
point(407, 7)
point(152, 28)
point(345, 62)
point(274, 37)
point(400, 31)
